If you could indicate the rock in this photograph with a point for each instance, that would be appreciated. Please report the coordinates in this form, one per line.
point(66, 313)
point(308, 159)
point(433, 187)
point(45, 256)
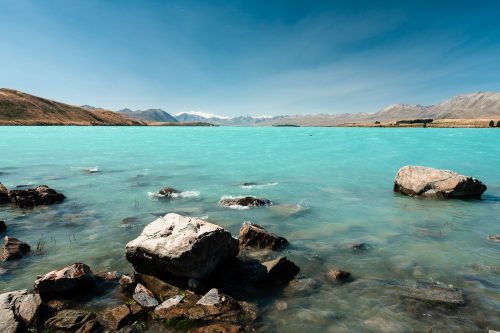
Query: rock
point(179, 246)
point(159, 288)
point(18, 309)
point(280, 270)
point(13, 249)
point(127, 283)
point(116, 318)
point(196, 286)
point(300, 286)
point(4, 194)
point(281, 306)
point(431, 293)
point(253, 235)
point(75, 279)
point(69, 320)
point(218, 328)
point(168, 192)
point(56, 305)
point(210, 298)
point(494, 238)
point(338, 275)
point(379, 324)
point(113, 276)
point(360, 247)
point(245, 202)
point(91, 326)
point(426, 182)
point(3, 226)
point(144, 297)
point(41, 195)
point(160, 309)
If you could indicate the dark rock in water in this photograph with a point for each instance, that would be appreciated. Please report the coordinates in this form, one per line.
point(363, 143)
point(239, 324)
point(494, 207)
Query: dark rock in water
point(494, 238)
point(3, 226)
point(168, 192)
point(280, 270)
point(431, 293)
point(18, 310)
point(13, 249)
point(4, 194)
point(245, 202)
point(253, 235)
point(419, 181)
point(300, 286)
point(360, 246)
point(144, 297)
point(248, 184)
point(112, 276)
point(160, 288)
point(182, 247)
point(129, 220)
point(338, 275)
point(117, 317)
point(69, 320)
point(72, 280)
point(41, 195)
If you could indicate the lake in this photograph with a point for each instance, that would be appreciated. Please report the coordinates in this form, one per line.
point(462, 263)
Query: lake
point(330, 188)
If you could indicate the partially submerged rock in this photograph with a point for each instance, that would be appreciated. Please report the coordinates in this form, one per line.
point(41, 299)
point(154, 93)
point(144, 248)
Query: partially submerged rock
point(244, 202)
point(41, 195)
point(280, 270)
point(18, 310)
point(494, 238)
point(432, 293)
point(253, 235)
point(13, 249)
point(168, 192)
point(179, 246)
point(3, 226)
point(419, 181)
point(75, 279)
point(4, 194)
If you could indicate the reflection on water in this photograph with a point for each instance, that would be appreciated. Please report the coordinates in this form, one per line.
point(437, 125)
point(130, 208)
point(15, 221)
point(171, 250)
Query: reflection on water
point(330, 191)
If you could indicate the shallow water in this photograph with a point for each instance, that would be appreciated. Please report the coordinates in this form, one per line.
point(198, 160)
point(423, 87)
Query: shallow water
point(331, 187)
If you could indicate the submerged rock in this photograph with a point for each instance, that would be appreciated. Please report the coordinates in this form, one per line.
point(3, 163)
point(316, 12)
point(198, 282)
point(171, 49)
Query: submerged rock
point(338, 275)
point(13, 249)
point(432, 293)
point(41, 195)
point(245, 202)
point(179, 246)
point(168, 192)
point(18, 310)
point(253, 235)
point(75, 279)
point(4, 194)
point(3, 226)
point(419, 181)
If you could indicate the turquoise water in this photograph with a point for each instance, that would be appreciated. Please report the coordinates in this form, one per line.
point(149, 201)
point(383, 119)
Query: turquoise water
point(331, 187)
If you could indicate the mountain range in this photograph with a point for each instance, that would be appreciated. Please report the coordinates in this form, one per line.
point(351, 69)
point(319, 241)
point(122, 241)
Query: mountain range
point(19, 108)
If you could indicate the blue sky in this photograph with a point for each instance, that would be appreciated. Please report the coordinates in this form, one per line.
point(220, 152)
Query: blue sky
point(249, 57)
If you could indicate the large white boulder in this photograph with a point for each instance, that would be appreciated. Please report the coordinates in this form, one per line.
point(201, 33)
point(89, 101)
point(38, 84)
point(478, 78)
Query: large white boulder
point(180, 246)
point(419, 181)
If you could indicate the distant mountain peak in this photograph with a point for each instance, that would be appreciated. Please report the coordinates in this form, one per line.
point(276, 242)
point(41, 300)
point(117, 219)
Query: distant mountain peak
point(152, 115)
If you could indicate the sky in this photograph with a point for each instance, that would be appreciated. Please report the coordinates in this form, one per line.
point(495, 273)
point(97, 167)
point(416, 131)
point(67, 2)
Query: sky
point(256, 57)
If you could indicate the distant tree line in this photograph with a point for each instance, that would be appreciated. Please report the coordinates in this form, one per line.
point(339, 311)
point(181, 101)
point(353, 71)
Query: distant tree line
point(415, 121)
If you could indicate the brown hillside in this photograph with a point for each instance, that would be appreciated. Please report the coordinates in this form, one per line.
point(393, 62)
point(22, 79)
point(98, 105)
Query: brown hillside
point(18, 108)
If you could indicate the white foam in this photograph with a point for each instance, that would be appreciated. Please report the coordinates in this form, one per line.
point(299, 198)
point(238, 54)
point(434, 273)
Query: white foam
point(259, 185)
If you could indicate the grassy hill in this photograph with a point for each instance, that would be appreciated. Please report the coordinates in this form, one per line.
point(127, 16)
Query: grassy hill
point(19, 108)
